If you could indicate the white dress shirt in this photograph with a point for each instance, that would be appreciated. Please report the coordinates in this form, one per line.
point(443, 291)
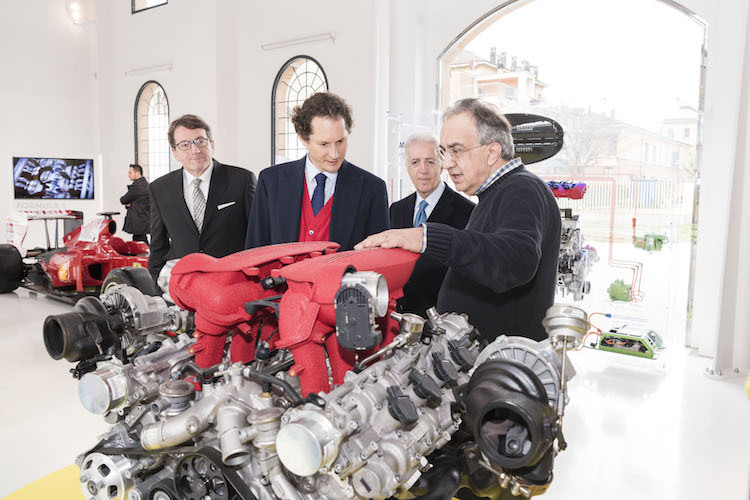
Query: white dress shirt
point(311, 171)
point(431, 200)
point(187, 186)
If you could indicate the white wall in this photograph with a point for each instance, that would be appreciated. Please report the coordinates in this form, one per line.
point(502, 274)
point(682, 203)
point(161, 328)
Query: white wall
point(47, 98)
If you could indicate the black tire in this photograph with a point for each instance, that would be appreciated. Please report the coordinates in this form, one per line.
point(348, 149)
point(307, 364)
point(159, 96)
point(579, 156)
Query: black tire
point(137, 277)
point(11, 268)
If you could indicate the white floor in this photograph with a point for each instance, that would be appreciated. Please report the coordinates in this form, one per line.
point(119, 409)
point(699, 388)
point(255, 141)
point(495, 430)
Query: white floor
point(636, 429)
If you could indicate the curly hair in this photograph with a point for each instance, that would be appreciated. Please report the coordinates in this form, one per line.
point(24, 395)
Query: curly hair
point(191, 122)
point(320, 104)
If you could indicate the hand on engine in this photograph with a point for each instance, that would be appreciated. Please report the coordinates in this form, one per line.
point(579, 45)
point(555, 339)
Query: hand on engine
point(408, 239)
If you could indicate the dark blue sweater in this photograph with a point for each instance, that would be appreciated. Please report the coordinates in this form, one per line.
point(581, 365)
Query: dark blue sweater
point(503, 265)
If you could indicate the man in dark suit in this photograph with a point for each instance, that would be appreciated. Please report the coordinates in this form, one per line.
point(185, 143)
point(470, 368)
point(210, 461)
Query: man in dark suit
point(320, 197)
point(137, 205)
point(433, 201)
point(204, 206)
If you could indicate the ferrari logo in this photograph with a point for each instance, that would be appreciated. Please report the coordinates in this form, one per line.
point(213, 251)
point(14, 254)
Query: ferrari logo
point(63, 274)
point(137, 264)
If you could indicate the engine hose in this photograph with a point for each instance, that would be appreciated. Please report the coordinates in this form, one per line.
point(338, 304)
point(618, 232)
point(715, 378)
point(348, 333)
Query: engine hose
point(270, 379)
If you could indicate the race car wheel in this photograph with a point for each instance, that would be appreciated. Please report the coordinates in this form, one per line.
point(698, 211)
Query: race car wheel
point(11, 268)
point(137, 277)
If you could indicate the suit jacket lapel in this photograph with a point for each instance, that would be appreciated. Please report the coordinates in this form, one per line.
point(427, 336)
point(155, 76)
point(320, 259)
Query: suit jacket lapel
point(444, 207)
point(345, 204)
point(291, 191)
point(179, 191)
point(407, 215)
point(219, 184)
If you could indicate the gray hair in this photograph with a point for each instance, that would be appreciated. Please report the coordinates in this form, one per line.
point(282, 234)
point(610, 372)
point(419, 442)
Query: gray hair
point(422, 137)
point(492, 126)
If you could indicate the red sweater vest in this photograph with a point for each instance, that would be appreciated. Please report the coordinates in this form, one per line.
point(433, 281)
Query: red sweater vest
point(314, 227)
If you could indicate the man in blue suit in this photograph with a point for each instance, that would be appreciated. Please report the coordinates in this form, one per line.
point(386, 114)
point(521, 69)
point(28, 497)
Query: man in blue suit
point(320, 197)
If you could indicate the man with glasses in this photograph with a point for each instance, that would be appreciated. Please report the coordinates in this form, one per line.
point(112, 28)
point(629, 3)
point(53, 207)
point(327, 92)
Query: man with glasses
point(204, 206)
point(433, 201)
point(503, 265)
point(321, 196)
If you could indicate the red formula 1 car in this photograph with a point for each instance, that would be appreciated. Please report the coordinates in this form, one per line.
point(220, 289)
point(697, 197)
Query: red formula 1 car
point(77, 268)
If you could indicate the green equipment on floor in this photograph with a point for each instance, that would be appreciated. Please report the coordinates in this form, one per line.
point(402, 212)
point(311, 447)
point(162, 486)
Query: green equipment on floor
point(618, 290)
point(633, 340)
point(651, 242)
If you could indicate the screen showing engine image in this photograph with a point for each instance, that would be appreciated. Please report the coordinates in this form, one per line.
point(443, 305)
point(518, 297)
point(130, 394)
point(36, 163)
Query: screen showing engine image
point(53, 178)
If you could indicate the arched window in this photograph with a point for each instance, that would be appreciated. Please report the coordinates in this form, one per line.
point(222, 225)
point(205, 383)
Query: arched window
point(151, 126)
point(299, 78)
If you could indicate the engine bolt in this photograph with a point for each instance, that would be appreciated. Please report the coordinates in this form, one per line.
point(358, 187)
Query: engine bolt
point(84, 478)
point(339, 401)
point(285, 419)
point(337, 469)
point(399, 433)
point(422, 411)
point(353, 424)
point(379, 453)
point(378, 406)
point(362, 457)
point(397, 477)
point(361, 385)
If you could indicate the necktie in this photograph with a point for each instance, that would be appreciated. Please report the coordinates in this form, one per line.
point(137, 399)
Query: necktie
point(199, 204)
point(421, 214)
point(319, 195)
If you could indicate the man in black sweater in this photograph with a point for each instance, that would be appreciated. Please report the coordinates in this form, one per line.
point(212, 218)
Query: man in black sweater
point(433, 201)
point(503, 265)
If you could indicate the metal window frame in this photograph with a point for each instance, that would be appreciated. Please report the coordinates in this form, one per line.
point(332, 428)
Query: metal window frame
point(133, 10)
point(135, 114)
point(273, 96)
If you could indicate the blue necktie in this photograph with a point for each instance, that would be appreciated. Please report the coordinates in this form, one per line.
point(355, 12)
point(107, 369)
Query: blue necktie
point(319, 195)
point(421, 214)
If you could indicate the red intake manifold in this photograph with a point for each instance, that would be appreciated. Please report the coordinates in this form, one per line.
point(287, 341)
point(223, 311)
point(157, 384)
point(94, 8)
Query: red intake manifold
point(218, 289)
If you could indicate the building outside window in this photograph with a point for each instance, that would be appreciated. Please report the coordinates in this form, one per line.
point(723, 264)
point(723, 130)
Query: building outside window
point(151, 127)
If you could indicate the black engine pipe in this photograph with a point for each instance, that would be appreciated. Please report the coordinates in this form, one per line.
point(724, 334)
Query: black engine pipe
point(509, 414)
point(83, 333)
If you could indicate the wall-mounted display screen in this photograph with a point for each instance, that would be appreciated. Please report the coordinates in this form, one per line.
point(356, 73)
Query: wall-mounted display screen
point(53, 178)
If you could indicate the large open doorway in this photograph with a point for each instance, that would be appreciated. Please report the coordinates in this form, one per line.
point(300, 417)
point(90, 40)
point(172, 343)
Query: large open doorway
point(624, 79)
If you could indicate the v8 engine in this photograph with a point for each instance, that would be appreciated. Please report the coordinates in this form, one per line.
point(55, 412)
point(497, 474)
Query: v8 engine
point(300, 381)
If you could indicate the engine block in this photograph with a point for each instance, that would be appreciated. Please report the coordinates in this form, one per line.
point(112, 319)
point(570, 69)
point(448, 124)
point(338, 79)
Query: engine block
point(386, 422)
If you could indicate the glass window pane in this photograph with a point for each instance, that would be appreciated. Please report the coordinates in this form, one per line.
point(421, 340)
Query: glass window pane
point(298, 79)
point(152, 125)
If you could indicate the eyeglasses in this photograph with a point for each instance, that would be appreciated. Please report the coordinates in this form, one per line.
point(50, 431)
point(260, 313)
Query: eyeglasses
point(455, 152)
point(201, 142)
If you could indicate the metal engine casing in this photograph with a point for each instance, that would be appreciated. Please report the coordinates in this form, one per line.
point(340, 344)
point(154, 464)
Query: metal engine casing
point(576, 260)
point(242, 430)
